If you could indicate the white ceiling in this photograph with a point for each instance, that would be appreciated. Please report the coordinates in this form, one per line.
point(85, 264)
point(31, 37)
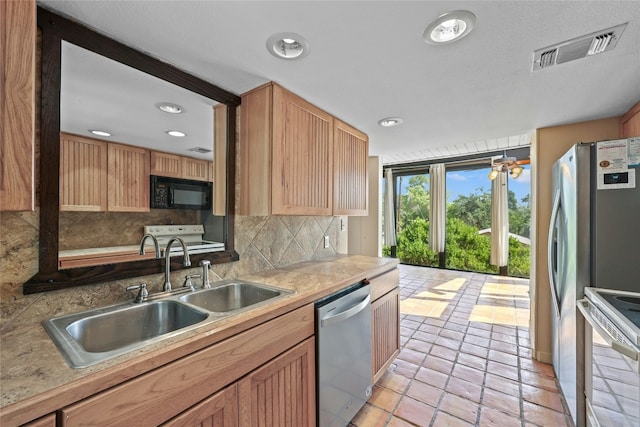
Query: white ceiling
point(368, 61)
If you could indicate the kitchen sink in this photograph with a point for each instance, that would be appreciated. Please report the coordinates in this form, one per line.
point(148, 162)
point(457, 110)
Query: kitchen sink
point(96, 335)
point(232, 296)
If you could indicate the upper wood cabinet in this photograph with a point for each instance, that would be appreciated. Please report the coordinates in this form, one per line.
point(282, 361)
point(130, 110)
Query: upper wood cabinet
point(165, 164)
point(17, 96)
point(350, 184)
point(630, 122)
point(175, 166)
point(102, 176)
point(83, 174)
point(287, 157)
point(128, 178)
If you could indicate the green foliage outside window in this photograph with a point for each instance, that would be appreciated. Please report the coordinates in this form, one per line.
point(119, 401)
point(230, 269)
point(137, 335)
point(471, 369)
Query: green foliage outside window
point(466, 249)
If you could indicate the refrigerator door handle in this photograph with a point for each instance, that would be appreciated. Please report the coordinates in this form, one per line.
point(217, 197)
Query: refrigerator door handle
point(551, 253)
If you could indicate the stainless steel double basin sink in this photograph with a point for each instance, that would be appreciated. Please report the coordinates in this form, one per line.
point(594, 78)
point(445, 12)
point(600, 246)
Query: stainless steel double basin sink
point(96, 335)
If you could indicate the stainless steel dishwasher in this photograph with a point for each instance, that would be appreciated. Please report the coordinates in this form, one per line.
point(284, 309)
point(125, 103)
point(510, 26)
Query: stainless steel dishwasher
point(343, 354)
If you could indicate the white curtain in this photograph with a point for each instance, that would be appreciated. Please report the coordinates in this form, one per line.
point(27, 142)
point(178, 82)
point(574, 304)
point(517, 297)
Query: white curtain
point(438, 207)
point(389, 215)
point(499, 221)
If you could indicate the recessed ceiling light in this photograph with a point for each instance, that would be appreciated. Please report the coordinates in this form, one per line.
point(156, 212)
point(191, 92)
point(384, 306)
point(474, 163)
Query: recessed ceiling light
point(449, 27)
point(99, 132)
point(176, 133)
point(170, 108)
point(288, 46)
point(390, 122)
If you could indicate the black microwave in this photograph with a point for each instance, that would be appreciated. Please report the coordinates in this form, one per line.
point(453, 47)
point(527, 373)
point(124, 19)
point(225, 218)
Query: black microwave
point(176, 193)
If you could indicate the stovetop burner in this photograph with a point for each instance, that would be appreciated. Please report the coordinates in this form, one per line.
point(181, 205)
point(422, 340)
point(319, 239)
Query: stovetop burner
point(629, 306)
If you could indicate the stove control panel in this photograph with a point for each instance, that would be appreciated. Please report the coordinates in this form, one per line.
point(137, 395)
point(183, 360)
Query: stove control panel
point(173, 230)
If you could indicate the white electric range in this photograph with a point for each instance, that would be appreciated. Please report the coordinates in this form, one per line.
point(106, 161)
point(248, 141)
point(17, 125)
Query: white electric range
point(191, 234)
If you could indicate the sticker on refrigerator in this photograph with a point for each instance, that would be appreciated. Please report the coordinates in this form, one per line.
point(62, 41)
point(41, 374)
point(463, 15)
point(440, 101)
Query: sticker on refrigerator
point(617, 180)
point(634, 151)
point(612, 156)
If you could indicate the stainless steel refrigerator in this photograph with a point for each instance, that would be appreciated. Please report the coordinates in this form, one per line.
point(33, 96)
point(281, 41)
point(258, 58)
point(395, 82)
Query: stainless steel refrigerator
point(594, 240)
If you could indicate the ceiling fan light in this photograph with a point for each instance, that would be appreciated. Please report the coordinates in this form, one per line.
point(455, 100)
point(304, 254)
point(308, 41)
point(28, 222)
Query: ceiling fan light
point(515, 172)
point(493, 174)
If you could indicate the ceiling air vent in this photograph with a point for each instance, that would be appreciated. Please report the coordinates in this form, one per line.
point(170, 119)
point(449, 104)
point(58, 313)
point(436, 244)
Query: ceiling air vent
point(200, 150)
point(590, 44)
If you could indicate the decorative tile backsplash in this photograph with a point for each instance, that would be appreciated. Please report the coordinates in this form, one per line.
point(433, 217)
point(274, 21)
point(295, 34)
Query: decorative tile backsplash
point(262, 242)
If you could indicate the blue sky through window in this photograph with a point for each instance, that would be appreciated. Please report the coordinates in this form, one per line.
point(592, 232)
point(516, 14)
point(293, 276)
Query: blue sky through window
point(468, 181)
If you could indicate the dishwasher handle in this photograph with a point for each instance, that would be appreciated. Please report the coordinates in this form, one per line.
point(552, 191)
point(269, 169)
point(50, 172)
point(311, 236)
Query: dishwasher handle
point(350, 312)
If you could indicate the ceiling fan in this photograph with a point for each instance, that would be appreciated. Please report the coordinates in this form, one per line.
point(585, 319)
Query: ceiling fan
point(506, 164)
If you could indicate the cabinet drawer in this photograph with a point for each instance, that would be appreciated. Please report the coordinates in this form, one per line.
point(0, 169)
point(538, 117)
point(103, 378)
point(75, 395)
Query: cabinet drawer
point(46, 421)
point(167, 391)
point(384, 283)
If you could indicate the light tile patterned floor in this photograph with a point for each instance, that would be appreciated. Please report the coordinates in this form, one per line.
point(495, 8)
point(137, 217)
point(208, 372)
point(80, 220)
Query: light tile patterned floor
point(465, 357)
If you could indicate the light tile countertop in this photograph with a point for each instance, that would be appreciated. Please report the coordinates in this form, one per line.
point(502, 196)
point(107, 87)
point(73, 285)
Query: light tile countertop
point(34, 374)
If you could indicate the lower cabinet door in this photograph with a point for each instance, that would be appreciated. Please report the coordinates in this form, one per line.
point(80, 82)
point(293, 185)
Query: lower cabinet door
point(385, 332)
point(282, 392)
point(219, 410)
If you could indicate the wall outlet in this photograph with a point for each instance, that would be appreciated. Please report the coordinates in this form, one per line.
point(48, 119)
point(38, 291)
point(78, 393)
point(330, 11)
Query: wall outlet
point(326, 241)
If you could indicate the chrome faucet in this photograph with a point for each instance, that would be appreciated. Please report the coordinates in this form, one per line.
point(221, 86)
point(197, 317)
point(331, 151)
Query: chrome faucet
point(167, 260)
point(155, 244)
point(206, 265)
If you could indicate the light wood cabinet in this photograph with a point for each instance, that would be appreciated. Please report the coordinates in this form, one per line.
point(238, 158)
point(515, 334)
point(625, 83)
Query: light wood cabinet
point(196, 169)
point(630, 122)
point(17, 99)
point(83, 174)
point(165, 164)
point(175, 166)
point(46, 421)
point(282, 392)
point(350, 156)
point(287, 157)
point(219, 410)
point(127, 178)
point(302, 153)
point(385, 322)
point(102, 176)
